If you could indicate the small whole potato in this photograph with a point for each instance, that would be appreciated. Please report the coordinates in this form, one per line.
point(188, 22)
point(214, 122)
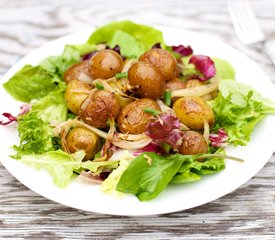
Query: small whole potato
point(175, 84)
point(146, 80)
point(74, 71)
point(193, 112)
point(132, 119)
point(99, 107)
point(105, 64)
point(193, 143)
point(163, 60)
point(80, 138)
point(75, 93)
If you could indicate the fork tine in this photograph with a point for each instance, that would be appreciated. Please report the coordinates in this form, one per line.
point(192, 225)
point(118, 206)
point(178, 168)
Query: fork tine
point(245, 23)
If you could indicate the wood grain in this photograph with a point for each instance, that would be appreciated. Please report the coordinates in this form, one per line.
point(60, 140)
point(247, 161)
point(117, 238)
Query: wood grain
point(247, 213)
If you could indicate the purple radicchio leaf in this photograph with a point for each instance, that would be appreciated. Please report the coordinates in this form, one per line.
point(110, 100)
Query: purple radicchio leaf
point(94, 178)
point(151, 147)
point(156, 45)
point(89, 55)
point(116, 48)
point(166, 129)
point(219, 139)
point(204, 65)
point(182, 50)
point(10, 119)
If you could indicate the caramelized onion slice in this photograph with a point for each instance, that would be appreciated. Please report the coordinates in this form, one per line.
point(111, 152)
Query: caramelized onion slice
point(131, 142)
point(206, 131)
point(197, 91)
point(84, 77)
point(130, 145)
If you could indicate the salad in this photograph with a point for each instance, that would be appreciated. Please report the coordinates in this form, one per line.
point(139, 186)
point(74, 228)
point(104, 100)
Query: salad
point(131, 113)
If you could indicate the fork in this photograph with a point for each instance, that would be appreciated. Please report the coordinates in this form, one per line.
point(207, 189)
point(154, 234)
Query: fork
point(246, 25)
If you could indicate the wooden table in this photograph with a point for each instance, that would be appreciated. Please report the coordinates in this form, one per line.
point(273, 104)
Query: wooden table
point(247, 213)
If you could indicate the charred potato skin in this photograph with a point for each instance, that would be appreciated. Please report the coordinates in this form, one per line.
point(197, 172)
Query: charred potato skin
point(193, 143)
point(163, 60)
point(80, 138)
point(75, 93)
point(146, 80)
point(99, 107)
point(132, 119)
point(105, 64)
point(193, 112)
point(74, 71)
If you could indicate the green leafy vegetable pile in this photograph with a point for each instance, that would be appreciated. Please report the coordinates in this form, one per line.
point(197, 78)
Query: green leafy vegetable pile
point(238, 108)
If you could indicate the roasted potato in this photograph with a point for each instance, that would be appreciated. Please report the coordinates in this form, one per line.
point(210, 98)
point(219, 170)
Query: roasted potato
point(193, 112)
point(132, 119)
point(164, 61)
point(193, 143)
point(76, 91)
point(99, 107)
point(146, 80)
point(175, 84)
point(75, 71)
point(105, 64)
point(80, 138)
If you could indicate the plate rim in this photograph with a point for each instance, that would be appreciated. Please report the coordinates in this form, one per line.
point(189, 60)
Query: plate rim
point(20, 63)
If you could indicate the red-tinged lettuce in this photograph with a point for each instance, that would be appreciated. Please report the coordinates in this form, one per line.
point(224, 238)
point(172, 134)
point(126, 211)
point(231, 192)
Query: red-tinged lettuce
point(165, 130)
point(182, 50)
point(151, 147)
point(219, 139)
point(10, 119)
point(204, 65)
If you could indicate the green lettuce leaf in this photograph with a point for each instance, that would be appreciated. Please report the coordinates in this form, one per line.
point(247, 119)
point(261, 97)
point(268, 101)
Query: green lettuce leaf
point(147, 175)
point(70, 56)
point(109, 184)
point(238, 108)
point(32, 83)
point(51, 107)
point(140, 37)
point(61, 165)
point(224, 70)
point(36, 135)
point(58, 164)
point(129, 46)
point(192, 170)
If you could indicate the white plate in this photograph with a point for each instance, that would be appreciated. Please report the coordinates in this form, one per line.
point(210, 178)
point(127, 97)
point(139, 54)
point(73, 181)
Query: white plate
point(176, 197)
